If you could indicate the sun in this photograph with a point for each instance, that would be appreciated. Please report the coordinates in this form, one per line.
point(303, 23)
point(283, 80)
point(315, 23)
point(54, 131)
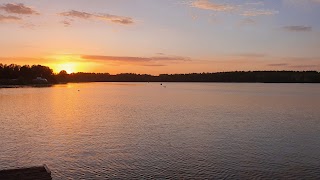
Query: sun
point(68, 67)
point(64, 62)
point(70, 63)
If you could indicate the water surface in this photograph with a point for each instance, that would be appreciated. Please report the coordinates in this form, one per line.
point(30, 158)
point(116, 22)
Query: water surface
point(145, 130)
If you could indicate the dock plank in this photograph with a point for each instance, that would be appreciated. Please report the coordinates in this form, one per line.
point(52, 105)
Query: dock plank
point(29, 173)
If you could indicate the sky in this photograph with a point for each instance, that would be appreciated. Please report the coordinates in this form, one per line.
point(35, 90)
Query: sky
point(161, 36)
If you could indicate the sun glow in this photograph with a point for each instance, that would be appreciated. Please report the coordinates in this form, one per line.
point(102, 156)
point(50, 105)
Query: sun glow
point(70, 63)
point(69, 67)
point(64, 62)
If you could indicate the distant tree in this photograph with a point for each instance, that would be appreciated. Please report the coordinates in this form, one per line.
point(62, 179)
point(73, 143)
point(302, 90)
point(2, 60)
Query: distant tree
point(16, 74)
point(63, 73)
point(62, 76)
point(237, 76)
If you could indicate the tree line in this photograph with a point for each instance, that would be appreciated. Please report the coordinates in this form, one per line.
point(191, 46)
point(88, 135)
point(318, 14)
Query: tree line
point(19, 75)
point(236, 76)
point(16, 74)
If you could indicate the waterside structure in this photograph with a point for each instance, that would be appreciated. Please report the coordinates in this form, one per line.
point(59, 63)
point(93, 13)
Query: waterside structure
point(29, 173)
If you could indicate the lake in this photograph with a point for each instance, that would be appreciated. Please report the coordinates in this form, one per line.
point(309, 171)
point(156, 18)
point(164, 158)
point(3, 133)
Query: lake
point(177, 130)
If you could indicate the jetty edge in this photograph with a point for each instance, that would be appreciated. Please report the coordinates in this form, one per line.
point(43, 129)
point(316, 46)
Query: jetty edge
point(27, 173)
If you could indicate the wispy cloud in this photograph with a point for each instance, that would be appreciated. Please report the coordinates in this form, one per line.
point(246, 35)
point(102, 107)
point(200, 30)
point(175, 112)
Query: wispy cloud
point(16, 12)
point(297, 2)
point(116, 19)
point(77, 14)
point(278, 64)
point(298, 28)
point(155, 65)
point(207, 5)
point(259, 12)
point(303, 66)
point(116, 58)
point(247, 22)
point(170, 58)
point(258, 3)
point(295, 66)
point(28, 26)
point(144, 61)
point(297, 63)
point(135, 59)
point(249, 55)
point(66, 23)
point(102, 17)
point(18, 9)
point(24, 60)
point(301, 59)
point(4, 18)
point(249, 9)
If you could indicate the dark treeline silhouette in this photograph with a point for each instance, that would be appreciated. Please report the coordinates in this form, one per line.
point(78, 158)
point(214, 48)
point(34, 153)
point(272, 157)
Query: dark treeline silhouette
point(237, 76)
point(19, 75)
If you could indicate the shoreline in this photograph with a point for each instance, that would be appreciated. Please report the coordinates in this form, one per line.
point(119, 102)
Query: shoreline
point(26, 85)
point(50, 85)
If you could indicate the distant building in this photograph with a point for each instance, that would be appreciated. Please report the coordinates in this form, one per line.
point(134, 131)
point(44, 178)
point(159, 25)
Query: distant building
point(40, 80)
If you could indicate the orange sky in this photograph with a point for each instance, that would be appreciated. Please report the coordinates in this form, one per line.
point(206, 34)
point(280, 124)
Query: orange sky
point(154, 37)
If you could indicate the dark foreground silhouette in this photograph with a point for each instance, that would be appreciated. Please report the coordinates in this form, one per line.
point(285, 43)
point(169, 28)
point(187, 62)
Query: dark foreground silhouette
point(252, 76)
point(36, 173)
point(23, 75)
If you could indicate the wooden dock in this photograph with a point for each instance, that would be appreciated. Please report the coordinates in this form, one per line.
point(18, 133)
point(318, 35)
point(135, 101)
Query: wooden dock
point(29, 173)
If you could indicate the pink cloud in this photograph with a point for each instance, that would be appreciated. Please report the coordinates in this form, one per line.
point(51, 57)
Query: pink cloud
point(102, 17)
point(18, 9)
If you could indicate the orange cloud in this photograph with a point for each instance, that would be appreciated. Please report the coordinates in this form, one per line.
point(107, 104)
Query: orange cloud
point(103, 17)
point(207, 5)
point(278, 64)
point(245, 9)
point(293, 66)
point(77, 14)
point(256, 12)
point(4, 18)
point(144, 61)
point(248, 55)
point(306, 67)
point(18, 9)
point(116, 58)
point(66, 23)
point(298, 28)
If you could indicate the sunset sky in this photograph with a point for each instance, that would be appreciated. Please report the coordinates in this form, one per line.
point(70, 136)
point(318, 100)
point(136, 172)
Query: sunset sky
point(161, 36)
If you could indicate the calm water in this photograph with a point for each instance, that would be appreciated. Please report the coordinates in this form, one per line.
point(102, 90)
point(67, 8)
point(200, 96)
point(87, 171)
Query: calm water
point(143, 130)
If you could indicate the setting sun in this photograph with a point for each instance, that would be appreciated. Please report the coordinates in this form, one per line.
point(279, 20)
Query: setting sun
point(65, 62)
point(68, 67)
point(72, 67)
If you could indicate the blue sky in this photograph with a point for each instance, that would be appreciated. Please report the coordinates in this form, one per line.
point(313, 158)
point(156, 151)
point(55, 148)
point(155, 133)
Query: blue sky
point(161, 36)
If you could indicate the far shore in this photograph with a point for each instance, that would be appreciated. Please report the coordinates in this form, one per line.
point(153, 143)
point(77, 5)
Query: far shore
point(13, 76)
point(50, 85)
point(26, 85)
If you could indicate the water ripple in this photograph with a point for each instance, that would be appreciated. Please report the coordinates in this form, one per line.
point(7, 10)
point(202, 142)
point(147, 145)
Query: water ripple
point(184, 131)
